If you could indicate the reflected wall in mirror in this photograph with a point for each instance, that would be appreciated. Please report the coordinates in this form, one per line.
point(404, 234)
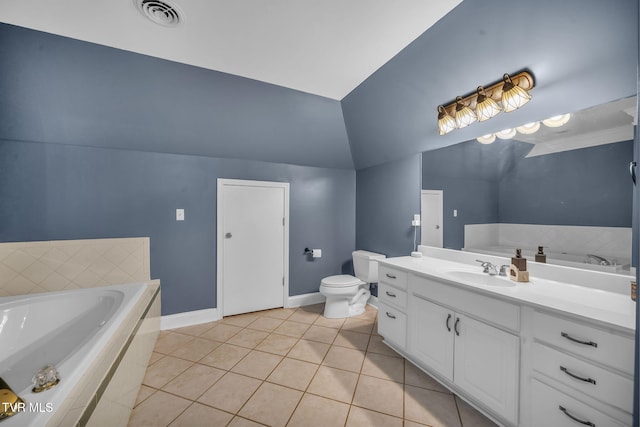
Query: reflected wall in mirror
point(567, 189)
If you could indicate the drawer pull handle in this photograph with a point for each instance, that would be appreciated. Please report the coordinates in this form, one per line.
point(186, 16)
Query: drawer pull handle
point(578, 420)
point(448, 318)
point(570, 338)
point(391, 294)
point(391, 276)
point(390, 315)
point(572, 375)
point(455, 326)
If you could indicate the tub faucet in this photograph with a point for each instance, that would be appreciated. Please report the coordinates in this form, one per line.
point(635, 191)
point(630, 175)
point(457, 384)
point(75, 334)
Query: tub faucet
point(599, 259)
point(489, 268)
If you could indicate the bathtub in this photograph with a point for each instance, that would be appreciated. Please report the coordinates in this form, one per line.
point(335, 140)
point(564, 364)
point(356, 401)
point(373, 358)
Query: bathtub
point(81, 333)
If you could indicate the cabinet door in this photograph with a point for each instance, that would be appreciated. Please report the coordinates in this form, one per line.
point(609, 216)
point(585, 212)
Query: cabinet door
point(486, 365)
point(431, 335)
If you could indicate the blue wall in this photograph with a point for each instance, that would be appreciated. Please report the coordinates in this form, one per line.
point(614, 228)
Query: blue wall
point(52, 191)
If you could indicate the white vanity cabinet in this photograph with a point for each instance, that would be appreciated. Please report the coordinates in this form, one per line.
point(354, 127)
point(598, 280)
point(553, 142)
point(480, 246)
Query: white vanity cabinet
point(392, 306)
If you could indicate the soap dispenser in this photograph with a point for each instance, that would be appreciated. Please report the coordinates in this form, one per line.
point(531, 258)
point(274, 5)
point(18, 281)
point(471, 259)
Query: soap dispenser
point(541, 256)
point(518, 269)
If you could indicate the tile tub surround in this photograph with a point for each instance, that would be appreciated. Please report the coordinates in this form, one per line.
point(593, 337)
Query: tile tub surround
point(34, 267)
point(290, 367)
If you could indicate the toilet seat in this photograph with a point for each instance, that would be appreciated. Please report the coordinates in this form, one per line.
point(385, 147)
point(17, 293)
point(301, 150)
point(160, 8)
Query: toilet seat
point(341, 281)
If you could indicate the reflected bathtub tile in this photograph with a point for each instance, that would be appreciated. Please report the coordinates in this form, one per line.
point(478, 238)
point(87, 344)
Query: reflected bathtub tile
point(164, 370)
point(225, 356)
point(230, 392)
point(196, 349)
point(430, 407)
point(317, 411)
point(221, 332)
point(201, 415)
point(158, 410)
point(194, 381)
point(170, 342)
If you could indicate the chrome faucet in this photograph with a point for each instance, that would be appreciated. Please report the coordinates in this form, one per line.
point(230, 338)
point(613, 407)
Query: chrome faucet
point(489, 268)
point(503, 270)
point(599, 259)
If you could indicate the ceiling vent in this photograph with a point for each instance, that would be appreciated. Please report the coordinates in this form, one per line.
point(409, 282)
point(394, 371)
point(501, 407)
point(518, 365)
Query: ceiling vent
point(163, 12)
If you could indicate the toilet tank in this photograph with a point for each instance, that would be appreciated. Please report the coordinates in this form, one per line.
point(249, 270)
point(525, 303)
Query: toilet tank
point(365, 265)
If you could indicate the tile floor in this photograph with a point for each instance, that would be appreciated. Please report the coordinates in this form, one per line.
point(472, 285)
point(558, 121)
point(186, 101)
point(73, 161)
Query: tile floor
point(290, 367)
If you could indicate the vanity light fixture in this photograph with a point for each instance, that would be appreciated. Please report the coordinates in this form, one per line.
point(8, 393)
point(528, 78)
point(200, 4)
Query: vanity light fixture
point(557, 121)
point(486, 139)
point(506, 133)
point(507, 95)
point(529, 128)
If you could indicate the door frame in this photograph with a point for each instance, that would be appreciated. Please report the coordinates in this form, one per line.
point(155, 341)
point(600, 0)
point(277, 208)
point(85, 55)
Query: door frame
point(220, 236)
point(439, 193)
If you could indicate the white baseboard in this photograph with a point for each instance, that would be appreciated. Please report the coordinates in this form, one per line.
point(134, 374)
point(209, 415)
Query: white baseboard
point(189, 318)
point(305, 299)
point(373, 301)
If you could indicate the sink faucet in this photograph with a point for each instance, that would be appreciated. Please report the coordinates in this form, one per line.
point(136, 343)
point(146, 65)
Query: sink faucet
point(599, 259)
point(489, 268)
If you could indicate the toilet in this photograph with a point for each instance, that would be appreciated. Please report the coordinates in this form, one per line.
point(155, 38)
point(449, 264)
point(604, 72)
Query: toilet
point(347, 295)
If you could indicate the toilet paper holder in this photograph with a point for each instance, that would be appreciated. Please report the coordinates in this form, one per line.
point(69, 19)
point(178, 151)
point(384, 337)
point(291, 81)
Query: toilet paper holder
point(308, 251)
point(315, 253)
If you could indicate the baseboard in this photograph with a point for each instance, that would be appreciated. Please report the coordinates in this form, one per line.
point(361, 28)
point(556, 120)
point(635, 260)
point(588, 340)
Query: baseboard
point(189, 318)
point(305, 299)
point(373, 301)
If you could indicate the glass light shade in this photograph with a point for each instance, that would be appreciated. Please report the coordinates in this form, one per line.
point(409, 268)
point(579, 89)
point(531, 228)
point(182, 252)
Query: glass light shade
point(557, 121)
point(506, 134)
point(464, 115)
point(485, 106)
point(486, 139)
point(529, 128)
point(513, 96)
point(446, 123)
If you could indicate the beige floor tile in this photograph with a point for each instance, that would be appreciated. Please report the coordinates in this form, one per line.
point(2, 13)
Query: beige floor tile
point(385, 367)
point(313, 308)
point(344, 358)
point(352, 339)
point(196, 349)
point(267, 324)
point(194, 381)
point(248, 338)
point(416, 377)
point(309, 351)
point(374, 331)
point(315, 411)
point(143, 393)
point(225, 356)
point(334, 383)
point(170, 342)
point(243, 422)
point(241, 320)
point(320, 334)
point(329, 323)
point(221, 332)
point(408, 423)
point(358, 325)
point(277, 344)
point(430, 407)
point(164, 370)
point(293, 373)
point(154, 358)
point(304, 316)
point(257, 364)
point(158, 410)
point(379, 395)
point(230, 392)
point(198, 415)
point(376, 345)
point(370, 314)
point(195, 330)
point(263, 408)
point(279, 313)
point(470, 416)
point(360, 417)
point(292, 329)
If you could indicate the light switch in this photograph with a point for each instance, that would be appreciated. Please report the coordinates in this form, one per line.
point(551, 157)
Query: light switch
point(179, 214)
point(455, 212)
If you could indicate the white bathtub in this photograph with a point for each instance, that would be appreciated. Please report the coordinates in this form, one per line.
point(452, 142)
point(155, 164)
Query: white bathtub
point(70, 330)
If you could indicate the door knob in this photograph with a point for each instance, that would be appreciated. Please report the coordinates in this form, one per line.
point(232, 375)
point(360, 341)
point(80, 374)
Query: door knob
point(228, 235)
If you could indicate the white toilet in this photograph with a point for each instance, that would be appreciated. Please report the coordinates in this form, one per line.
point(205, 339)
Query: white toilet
point(347, 295)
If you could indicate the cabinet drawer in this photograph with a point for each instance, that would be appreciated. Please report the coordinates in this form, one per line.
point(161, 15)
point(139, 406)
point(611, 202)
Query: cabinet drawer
point(585, 377)
point(584, 340)
point(554, 408)
point(391, 276)
point(392, 325)
point(390, 295)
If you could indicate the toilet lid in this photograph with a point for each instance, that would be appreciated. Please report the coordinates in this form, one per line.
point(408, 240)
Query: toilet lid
point(341, 280)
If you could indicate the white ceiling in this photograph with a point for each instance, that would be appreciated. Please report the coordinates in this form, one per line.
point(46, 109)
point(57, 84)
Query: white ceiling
point(325, 47)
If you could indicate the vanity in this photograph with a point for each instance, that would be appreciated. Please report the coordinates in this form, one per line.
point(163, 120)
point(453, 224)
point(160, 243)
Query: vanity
point(555, 351)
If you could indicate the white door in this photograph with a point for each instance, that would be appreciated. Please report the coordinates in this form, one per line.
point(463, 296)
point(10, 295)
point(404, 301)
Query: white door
point(431, 218)
point(252, 245)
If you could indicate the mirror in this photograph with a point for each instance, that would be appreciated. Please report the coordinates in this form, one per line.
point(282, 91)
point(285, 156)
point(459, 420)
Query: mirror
point(565, 188)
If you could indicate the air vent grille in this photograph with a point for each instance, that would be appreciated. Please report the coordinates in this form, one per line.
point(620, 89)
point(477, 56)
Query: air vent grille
point(162, 12)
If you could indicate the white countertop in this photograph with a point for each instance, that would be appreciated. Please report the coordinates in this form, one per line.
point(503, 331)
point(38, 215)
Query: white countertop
point(613, 309)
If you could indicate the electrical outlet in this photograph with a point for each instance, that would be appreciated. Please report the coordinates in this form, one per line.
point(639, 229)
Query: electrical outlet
point(179, 214)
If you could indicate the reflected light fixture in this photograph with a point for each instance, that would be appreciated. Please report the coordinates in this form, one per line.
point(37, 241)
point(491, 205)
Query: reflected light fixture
point(486, 139)
point(486, 107)
point(446, 123)
point(557, 121)
point(506, 133)
point(464, 115)
point(513, 96)
point(529, 128)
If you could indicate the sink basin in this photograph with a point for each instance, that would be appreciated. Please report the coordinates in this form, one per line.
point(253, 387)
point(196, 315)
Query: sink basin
point(480, 278)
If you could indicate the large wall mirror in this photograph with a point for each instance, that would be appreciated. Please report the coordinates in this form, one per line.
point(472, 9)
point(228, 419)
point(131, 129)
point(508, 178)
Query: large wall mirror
point(567, 189)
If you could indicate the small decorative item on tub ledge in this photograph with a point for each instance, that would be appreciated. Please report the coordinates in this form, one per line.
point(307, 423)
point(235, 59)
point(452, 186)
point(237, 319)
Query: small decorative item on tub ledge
point(10, 402)
point(634, 290)
point(518, 269)
point(45, 379)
